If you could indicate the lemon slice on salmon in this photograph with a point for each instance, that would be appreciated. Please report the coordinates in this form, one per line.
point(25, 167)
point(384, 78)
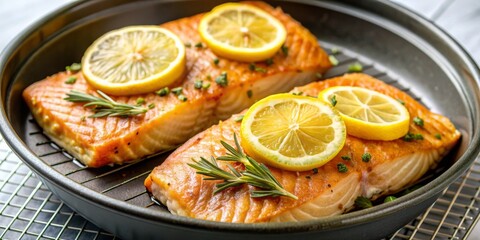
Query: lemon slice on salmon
point(368, 114)
point(290, 132)
point(242, 32)
point(134, 60)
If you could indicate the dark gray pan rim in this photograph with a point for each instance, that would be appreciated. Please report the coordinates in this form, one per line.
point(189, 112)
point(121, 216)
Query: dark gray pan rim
point(337, 222)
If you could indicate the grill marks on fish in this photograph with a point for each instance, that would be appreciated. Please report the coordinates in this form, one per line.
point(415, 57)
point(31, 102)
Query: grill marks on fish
point(101, 141)
point(394, 164)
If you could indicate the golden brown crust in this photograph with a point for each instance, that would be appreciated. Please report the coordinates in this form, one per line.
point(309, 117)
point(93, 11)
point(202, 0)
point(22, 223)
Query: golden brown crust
point(195, 198)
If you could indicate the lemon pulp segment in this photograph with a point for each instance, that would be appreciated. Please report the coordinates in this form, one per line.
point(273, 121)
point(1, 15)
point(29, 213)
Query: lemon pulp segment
point(134, 60)
point(242, 32)
point(368, 114)
point(292, 132)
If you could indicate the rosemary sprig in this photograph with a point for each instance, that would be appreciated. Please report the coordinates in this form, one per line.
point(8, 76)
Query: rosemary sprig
point(104, 106)
point(255, 174)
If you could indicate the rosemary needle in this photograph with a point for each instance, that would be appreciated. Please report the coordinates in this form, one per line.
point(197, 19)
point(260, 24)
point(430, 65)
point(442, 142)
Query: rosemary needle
point(104, 106)
point(255, 174)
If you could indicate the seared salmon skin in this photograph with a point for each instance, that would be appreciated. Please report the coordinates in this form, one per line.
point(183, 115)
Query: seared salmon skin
point(172, 121)
point(321, 192)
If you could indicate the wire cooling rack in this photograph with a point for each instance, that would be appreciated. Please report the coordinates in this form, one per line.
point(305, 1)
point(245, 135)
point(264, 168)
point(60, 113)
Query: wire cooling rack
point(28, 210)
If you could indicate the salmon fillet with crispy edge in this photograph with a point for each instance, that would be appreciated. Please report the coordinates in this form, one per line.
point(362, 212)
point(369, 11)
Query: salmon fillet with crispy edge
point(394, 165)
point(101, 141)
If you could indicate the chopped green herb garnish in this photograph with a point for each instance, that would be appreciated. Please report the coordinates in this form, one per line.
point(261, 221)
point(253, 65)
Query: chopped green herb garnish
point(188, 45)
point(216, 61)
point(205, 85)
point(318, 75)
point(438, 136)
point(333, 60)
point(239, 118)
point(333, 100)
point(335, 51)
point(71, 80)
point(251, 66)
point(140, 101)
point(269, 61)
point(199, 45)
point(75, 67)
point(182, 98)
point(209, 77)
point(163, 92)
point(297, 93)
point(260, 69)
point(151, 105)
point(418, 121)
point(412, 136)
point(177, 91)
point(285, 50)
point(198, 84)
point(342, 168)
point(389, 199)
point(401, 101)
point(222, 79)
point(366, 157)
point(346, 158)
point(363, 202)
point(249, 93)
point(315, 171)
point(355, 67)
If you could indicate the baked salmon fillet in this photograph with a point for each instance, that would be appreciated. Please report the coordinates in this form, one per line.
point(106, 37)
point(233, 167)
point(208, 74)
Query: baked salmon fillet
point(393, 165)
point(101, 141)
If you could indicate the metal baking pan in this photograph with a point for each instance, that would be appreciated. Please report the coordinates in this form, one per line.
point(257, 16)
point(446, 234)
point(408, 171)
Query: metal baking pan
point(392, 43)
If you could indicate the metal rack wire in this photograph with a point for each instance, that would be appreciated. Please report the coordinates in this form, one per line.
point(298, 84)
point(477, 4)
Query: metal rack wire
point(28, 210)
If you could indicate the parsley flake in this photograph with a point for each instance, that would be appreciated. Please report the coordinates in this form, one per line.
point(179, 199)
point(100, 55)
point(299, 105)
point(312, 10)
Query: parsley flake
point(342, 168)
point(140, 101)
point(249, 93)
point(163, 92)
point(412, 136)
point(333, 100)
point(366, 157)
point(75, 67)
point(71, 80)
point(418, 121)
point(389, 199)
point(269, 61)
point(356, 67)
point(363, 202)
point(333, 60)
point(182, 98)
point(222, 79)
point(198, 84)
point(177, 91)
point(284, 50)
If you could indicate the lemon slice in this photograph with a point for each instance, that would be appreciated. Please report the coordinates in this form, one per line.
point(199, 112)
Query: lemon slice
point(242, 32)
point(134, 60)
point(368, 114)
point(295, 133)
